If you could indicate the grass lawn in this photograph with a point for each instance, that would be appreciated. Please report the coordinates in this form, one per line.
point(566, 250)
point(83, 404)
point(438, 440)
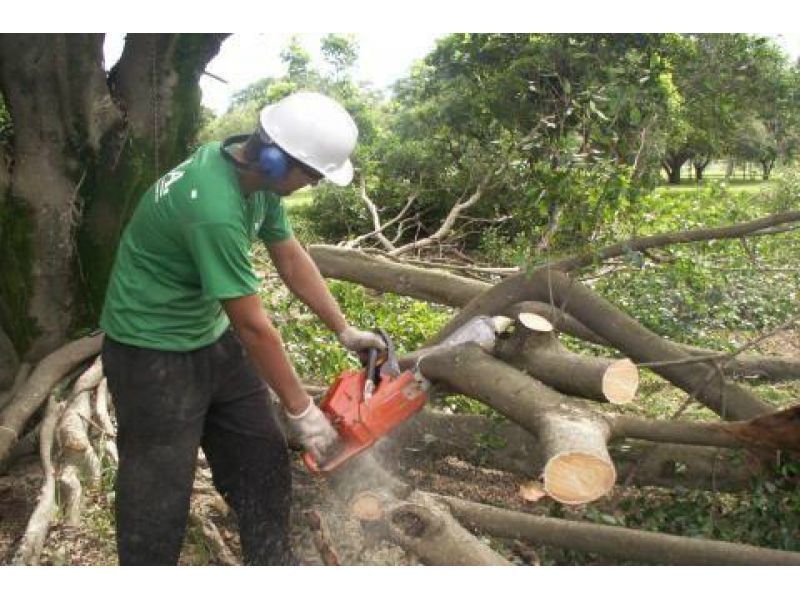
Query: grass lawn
point(299, 199)
point(749, 186)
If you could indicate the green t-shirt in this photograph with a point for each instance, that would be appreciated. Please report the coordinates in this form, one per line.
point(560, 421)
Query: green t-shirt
point(187, 247)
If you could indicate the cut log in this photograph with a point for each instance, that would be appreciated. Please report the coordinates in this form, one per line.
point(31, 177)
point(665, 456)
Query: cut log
point(30, 548)
point(534, 322)
point(561, 321)
point(47, 373)
point(543, 357)
point(728, 400)
point(370, 491)
point(608, 540)
point(427, 528)
point(578, 468)
point(368, 506)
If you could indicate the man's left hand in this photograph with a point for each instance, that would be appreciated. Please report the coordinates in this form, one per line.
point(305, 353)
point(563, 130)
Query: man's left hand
point(357, 340)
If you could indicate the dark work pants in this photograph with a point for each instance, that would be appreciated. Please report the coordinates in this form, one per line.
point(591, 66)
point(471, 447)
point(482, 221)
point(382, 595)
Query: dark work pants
point(170, 403)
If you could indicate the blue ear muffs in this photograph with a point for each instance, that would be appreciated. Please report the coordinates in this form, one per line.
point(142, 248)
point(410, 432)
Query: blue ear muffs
point(273, 162)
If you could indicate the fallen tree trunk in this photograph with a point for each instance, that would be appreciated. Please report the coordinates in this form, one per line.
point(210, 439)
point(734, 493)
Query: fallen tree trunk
point(701, 381)
point(774, 431)
point(608, 540)
point(768, 368)
point(381, 273)
point(439, 286)
point(47, 373)
point(573, 438)
point(508, 447)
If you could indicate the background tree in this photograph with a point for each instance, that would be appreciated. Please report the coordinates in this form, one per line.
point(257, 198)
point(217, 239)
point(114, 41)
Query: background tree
point(83, 146)
point(560, 124)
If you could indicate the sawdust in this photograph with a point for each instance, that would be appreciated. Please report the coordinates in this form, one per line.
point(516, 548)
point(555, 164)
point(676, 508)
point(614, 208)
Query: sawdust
point(92, 543)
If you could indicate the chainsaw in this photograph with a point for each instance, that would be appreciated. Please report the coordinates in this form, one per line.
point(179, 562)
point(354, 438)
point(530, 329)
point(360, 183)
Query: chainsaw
point(366, 404)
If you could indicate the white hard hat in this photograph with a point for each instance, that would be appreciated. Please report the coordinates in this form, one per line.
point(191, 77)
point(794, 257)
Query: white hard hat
point(316, 130)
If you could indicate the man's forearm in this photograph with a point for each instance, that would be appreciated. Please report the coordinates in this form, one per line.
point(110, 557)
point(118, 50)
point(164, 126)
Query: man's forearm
point(265, 349)
point(303, 278)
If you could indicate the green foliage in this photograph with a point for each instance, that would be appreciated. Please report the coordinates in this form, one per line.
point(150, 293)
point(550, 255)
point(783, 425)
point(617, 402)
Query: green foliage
point(555, 118)
point(768, 515)
point(784, 195)
point(698, 289)
point(317, 354)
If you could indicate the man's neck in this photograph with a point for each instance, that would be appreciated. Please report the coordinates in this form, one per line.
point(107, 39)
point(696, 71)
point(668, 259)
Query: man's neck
point(249, 181)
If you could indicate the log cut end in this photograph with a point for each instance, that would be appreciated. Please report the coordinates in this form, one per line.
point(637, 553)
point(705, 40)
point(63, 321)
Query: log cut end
point(620, 382)
point(578, 477)
point(534, 322)
point(367, 506)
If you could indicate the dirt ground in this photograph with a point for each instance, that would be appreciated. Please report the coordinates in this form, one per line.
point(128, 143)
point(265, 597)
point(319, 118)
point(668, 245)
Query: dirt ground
point(92, 543)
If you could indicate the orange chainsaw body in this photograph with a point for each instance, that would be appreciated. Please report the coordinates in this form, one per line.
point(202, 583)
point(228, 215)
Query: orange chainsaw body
point(360, 421)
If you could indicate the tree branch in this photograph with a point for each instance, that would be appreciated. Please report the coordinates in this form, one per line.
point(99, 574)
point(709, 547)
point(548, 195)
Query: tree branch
point(681, 237)
point(447, 224)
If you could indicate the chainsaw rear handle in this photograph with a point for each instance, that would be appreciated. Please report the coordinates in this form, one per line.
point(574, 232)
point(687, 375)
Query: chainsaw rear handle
point(372, 358)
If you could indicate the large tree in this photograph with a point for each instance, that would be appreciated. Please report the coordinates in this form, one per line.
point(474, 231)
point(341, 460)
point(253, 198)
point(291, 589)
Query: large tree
point(79, 146)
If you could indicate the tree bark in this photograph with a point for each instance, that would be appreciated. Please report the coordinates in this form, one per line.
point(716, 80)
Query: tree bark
point(9, 362)
point(45, 511)
point(82, 154)
point(381, 273)
point(608, 540)
point(19, 380)
point(46, 374)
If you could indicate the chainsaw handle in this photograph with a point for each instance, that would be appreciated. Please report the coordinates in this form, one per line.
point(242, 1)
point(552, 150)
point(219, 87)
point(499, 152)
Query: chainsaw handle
point(372, 362)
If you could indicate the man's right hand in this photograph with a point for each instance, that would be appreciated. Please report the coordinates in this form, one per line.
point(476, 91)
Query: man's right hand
point(313, 430)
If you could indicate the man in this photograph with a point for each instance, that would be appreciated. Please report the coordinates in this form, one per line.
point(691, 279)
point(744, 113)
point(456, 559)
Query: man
point(181, 377)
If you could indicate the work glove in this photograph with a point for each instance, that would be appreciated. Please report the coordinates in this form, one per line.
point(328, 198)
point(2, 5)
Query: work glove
point(358, 340)
point(313, 430)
